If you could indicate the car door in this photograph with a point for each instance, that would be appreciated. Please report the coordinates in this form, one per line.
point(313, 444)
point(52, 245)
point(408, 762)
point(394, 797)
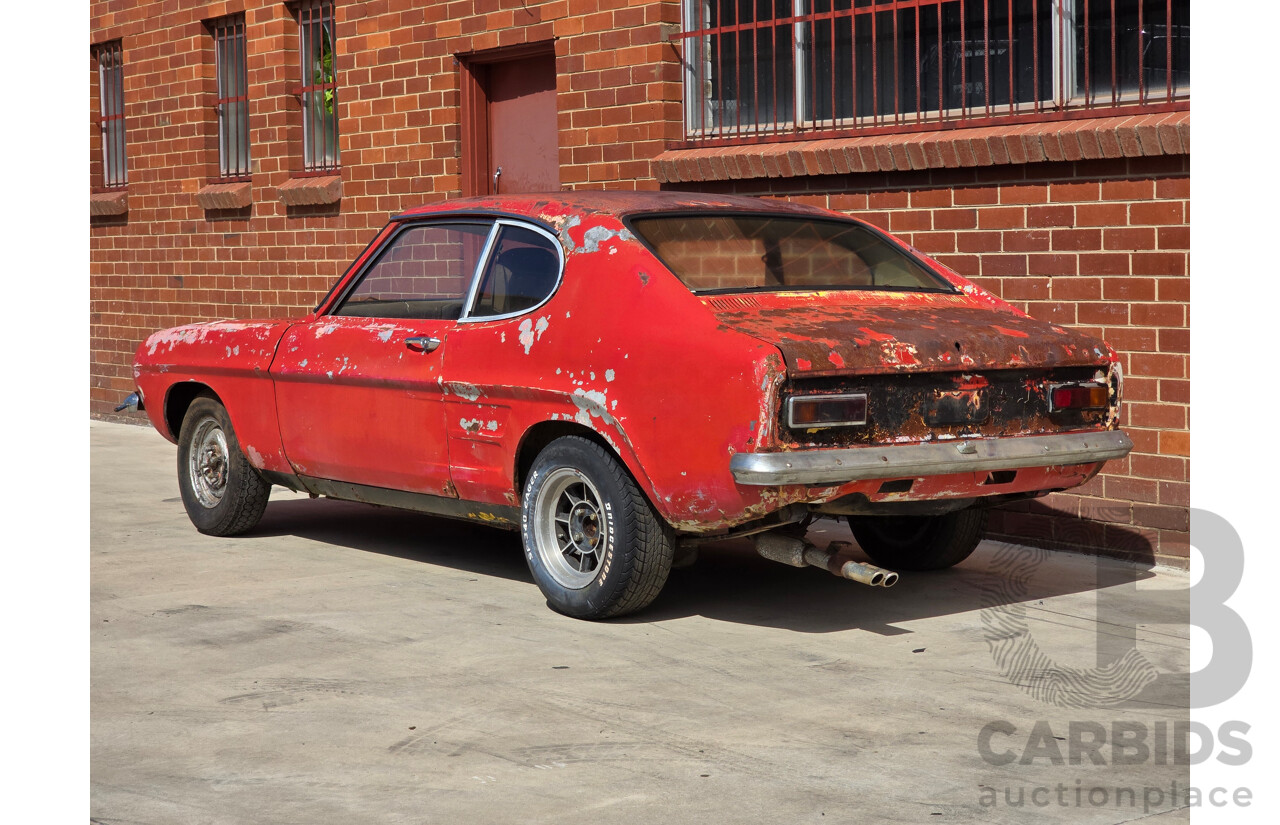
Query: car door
point(494, 372)
point(359, 388)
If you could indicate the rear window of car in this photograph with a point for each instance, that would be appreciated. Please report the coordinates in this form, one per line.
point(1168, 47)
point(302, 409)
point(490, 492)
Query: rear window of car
point(745, 253)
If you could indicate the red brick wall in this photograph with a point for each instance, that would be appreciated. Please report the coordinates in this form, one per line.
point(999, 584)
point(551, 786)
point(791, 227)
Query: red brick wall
point(1097, 243)
point(168, 261)
point(1102, 245)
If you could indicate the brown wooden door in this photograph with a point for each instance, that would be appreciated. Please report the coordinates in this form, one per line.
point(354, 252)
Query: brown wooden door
point(510, 127)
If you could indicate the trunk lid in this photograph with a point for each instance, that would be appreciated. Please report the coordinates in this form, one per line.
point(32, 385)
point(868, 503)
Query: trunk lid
point(859, 333)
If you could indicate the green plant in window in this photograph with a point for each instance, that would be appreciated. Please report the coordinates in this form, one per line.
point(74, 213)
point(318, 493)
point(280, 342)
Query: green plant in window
point(323, 72)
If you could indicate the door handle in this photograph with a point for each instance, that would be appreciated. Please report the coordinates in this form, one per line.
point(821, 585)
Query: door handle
point(496, 175)
point(422, 343)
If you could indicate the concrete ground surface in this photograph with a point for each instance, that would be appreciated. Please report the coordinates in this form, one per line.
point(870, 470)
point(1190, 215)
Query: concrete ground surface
point(348, 664)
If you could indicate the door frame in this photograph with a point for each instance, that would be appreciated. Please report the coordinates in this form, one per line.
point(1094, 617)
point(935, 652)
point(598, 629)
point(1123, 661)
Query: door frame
point(474, 88)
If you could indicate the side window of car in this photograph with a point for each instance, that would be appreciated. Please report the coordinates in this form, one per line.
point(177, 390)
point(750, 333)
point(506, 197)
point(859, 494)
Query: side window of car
point(522, 272)
point(424, 273)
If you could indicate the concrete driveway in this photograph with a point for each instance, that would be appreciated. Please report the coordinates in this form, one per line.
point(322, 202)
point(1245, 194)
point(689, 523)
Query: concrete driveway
point(345, 664)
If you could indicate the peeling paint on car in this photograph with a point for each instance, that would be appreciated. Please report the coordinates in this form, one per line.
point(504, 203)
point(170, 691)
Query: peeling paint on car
point(709, 380)
point(463, 390)
point(597, 235)
point(591, 403)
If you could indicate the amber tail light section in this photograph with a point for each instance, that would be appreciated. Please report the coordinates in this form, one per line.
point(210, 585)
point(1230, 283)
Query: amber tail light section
point(809, 412)
point(1078, 397)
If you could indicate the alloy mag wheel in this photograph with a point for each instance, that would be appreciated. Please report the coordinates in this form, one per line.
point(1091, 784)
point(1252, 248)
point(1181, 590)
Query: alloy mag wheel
point(594, 545)
point(571, 532)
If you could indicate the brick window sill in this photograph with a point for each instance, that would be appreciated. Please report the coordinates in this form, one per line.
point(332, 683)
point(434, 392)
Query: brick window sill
point(225, 195)
point(315, 191)
point(1066, 140)
point(108, 203)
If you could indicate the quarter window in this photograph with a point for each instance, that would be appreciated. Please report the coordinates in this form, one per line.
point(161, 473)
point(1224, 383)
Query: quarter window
point(109, 58)
point(523, 270)
point(233, 97)
point(319, 90)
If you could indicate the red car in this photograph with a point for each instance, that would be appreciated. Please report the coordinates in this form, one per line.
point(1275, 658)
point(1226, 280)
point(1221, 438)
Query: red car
point(620, 376)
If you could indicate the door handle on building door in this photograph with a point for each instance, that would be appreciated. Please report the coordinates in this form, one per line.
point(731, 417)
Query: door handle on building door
point(496, 175)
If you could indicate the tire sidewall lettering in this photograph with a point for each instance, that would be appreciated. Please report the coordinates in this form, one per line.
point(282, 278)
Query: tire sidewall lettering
point(607, 563)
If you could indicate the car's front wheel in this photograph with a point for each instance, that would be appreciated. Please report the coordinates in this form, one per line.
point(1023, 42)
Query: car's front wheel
point(920, 542)
point(221, 491)
point(594, 544)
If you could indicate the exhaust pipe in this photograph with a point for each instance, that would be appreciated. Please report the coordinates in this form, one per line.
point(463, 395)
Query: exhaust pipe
point(799, 553)
point(859, 571)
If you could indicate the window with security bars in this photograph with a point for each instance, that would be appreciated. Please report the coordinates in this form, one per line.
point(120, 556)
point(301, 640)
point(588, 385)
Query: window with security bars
point(233, 97)
point(109, 58)
point(319, 90)
point(761, 67)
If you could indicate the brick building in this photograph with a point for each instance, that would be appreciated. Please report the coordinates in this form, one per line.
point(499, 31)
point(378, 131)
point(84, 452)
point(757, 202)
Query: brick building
point(243, 152)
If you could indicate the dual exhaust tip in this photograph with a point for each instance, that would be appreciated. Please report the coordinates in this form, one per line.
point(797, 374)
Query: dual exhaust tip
point(868, 574)
point(797, 552)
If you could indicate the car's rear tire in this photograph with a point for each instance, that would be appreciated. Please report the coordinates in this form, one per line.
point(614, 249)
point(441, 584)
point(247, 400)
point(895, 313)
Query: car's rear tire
point(920, 542)
point(222, 493)
point(594, 544)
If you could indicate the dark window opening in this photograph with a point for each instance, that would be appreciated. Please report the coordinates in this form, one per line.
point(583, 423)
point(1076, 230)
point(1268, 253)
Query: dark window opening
point(1131, 50)
point(759, 67)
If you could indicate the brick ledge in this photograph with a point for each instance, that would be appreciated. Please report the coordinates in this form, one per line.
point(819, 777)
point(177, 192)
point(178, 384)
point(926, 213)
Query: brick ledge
point(108, 203)
point(311, 191)
point(225, 195)
point(1095, 138)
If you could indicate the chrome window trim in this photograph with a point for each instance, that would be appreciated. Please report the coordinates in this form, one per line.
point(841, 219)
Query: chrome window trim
point(483, 264)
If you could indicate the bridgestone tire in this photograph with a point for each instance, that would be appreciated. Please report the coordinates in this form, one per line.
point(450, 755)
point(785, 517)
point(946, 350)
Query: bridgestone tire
point(222, 492)
point(920, 542)
point(594, 544)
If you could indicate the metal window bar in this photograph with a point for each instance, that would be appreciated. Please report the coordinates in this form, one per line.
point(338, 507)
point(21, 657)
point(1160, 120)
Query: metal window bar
point(910, 65)
point(319, 90)
point(233, 98)
point(111, 129)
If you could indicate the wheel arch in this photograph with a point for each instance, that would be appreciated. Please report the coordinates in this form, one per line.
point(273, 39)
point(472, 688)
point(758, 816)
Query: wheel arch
point(537, 437)
point(178, 400)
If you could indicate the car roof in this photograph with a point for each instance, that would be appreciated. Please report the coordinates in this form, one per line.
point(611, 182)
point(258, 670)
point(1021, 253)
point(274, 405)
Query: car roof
point(555, 206)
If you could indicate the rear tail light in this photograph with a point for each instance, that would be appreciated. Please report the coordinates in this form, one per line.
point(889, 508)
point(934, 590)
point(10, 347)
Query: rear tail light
point(1090, 396)
point(810, 412)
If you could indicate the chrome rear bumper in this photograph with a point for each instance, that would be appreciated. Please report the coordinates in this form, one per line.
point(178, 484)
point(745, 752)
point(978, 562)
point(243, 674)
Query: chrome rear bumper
point(814, 467)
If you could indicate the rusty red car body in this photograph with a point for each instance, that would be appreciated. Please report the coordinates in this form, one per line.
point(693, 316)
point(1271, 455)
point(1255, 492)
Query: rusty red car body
point(683, 388)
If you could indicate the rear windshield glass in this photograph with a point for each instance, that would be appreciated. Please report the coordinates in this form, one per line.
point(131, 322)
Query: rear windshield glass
point(742, 253)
